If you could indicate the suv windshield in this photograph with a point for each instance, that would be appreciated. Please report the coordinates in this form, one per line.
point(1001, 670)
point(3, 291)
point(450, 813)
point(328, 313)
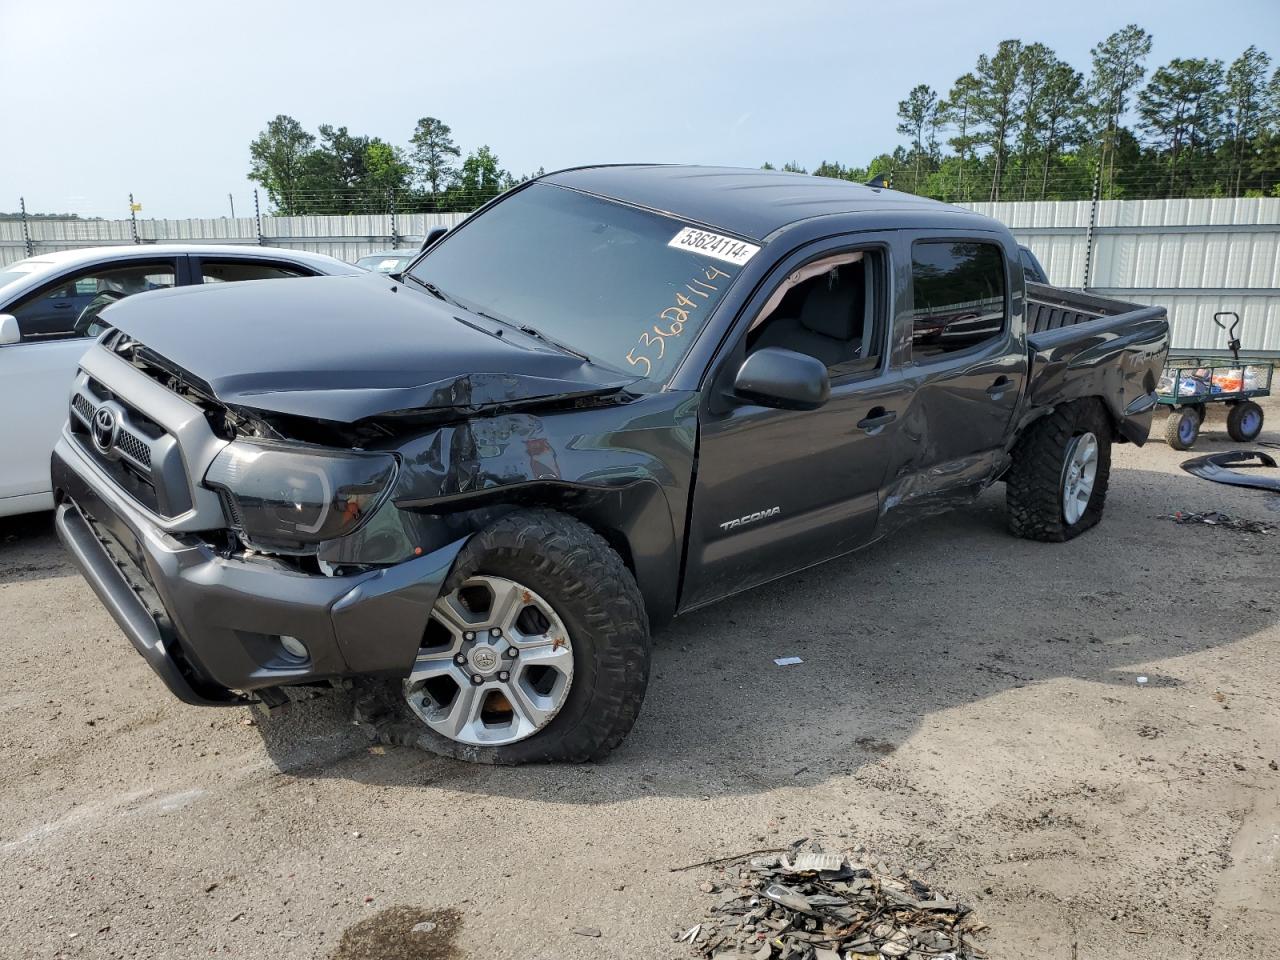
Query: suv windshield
point(597, 276)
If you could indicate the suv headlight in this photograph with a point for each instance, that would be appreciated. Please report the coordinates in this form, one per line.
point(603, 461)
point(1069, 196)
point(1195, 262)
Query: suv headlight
point(295, 497)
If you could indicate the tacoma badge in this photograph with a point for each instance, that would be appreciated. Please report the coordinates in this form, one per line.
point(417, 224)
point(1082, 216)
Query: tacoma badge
point(751, 518)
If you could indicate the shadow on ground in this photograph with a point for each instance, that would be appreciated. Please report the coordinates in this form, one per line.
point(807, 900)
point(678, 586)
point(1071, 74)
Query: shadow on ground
point(29, 549)
point(947, 612)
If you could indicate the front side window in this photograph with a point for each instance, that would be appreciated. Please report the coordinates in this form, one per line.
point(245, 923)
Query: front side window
point(68, 308)
point(828, 309)
point(958, 291)
point(607, 280)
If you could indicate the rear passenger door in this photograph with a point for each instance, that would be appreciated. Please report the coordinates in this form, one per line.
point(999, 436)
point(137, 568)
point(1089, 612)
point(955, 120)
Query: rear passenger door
point(779, 490)
point(965, 354)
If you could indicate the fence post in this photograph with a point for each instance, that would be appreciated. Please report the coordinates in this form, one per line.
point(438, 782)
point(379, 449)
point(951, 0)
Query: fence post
point(391, 204)
point(257, 217)
point(26, 234)
point(133, 218)
point(1093, 222)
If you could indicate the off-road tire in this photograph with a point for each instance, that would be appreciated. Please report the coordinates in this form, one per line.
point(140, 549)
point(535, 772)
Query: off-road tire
point(1175, 436)
point(1034, 481)
point(575, 570)
point(1236, 417)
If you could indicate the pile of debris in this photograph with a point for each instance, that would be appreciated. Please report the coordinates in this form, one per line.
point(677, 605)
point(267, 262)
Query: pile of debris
point(811, 905)
point(1215, 519)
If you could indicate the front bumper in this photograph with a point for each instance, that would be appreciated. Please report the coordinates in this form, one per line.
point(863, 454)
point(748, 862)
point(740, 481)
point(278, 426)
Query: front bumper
point(209, 625)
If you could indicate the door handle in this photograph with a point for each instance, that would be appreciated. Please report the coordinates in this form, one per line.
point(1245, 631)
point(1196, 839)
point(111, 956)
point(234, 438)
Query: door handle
point(1002, 385)
point(876, 420)
point(62, 306)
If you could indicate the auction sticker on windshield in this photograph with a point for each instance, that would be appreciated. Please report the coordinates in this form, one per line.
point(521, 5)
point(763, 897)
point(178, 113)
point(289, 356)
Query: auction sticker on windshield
point(728, 249)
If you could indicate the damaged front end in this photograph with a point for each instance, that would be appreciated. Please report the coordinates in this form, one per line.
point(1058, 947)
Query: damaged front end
point(311, 550)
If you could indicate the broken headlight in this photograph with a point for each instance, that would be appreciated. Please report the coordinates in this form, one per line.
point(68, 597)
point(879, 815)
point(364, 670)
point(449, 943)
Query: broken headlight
point(295, 497)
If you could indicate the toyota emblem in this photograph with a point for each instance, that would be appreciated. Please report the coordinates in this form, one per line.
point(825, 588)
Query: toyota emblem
point(104, 429)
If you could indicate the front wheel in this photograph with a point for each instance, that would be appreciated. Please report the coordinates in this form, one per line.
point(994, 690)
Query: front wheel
point(1056, 486)
point(1182, 428)
point(536, 650)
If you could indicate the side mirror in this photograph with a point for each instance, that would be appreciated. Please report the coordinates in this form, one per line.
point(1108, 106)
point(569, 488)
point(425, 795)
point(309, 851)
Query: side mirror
point(434, 234)
point(783, 378)
point(9, 332)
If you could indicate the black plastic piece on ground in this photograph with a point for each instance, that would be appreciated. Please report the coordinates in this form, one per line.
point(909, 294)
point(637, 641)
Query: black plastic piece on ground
point(1214, 467)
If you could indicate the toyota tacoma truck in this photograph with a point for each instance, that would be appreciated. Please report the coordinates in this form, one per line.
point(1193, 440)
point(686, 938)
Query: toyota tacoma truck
point(471, 490)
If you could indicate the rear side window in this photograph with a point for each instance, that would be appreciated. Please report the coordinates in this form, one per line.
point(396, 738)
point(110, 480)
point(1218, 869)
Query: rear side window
point(230, 271)
point(958, 296)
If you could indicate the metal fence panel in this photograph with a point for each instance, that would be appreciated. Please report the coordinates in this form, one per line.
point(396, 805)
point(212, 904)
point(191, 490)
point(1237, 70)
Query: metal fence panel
point(1193, 257)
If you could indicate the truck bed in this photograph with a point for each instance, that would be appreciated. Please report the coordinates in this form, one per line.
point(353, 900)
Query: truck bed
point(1083, 345)
point(1052, 308)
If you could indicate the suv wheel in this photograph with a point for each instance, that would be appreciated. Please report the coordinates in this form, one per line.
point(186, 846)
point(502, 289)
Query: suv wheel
point(1056, 487)
point(536, 650)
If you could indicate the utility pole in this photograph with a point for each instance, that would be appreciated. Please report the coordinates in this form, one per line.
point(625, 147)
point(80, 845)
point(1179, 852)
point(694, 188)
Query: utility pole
point(133, 218)
point(26, 234)
point(257, 216)
point(232, 200)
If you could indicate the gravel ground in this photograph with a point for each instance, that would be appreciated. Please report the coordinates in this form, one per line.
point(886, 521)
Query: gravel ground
point(968, 706)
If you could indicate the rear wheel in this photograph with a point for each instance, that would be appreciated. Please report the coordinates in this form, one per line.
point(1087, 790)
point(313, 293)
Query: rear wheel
point(1244, 421)
point(536, 650)
point(1182, 428)
point(1057, 485)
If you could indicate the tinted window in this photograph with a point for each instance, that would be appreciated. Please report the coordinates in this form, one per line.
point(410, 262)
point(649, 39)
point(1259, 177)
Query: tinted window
point(595, 275)
point(1031, 268)
point(228, 271)
point(958, 291)
point(53, 313)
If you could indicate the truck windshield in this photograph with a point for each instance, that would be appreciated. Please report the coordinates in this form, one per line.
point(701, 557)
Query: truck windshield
point(599, 277)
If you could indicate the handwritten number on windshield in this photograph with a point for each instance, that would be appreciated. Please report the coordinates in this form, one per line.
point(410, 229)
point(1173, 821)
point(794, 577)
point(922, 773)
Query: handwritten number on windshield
point(674, 319)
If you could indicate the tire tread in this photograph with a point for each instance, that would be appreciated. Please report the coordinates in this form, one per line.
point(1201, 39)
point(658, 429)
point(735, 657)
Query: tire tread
point(589, 575)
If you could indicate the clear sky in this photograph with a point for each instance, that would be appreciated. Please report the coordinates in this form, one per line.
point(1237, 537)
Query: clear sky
point(162, 98)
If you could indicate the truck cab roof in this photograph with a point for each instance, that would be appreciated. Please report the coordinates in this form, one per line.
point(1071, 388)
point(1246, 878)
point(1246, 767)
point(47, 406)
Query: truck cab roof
point(754, 204)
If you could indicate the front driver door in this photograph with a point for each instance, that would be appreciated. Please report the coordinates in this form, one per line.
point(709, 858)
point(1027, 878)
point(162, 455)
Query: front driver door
point(779, 490)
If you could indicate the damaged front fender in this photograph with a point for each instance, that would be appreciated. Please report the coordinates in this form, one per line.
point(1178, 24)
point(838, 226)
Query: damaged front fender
point(622, 468)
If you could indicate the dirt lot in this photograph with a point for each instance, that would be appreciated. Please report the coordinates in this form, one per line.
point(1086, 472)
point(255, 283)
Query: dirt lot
point(968, 705)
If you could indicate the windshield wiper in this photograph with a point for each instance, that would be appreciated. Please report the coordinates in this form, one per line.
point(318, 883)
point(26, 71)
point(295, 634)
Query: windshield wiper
point(534, 332)
point(432, 289)
point(524, 328)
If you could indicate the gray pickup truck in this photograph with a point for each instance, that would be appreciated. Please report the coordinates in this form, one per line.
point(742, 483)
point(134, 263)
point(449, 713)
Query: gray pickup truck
point(470, 490)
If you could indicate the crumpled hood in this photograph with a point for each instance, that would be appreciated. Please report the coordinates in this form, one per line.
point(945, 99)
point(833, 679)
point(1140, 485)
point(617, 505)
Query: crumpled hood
point(347, 348)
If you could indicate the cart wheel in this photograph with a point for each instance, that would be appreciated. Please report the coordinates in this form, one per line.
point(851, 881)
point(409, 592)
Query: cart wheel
point(1182, 428)
point(1244, 421)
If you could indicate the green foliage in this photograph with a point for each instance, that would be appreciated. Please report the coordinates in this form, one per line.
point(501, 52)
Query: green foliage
point(1023, 124)
point(276, 159)
point(335, 171)
point(433, 147)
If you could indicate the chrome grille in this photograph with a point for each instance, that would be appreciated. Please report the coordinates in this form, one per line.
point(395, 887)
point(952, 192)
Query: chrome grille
point(140, 456)
point(81, 404)
point(133, 447)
